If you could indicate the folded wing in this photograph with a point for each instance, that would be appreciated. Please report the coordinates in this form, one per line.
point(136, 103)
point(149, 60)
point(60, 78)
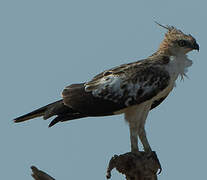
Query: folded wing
point(117, 88)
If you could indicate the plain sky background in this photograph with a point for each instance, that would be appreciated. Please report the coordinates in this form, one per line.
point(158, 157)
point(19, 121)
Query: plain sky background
point(47, 44)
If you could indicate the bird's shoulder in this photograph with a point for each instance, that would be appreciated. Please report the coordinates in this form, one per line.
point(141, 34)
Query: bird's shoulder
point(152, 66)
point(131, 83)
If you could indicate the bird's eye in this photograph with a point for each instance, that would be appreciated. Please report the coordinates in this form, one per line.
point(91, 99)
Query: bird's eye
point(182, 43)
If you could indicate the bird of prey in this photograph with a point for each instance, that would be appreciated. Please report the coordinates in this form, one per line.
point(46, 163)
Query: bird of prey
point(132, 89)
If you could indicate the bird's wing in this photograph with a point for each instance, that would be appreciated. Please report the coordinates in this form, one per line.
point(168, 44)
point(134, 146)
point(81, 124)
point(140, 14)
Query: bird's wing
point(117, 88)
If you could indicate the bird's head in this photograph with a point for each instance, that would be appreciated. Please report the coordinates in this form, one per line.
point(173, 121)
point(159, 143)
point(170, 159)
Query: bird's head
point(176, 42)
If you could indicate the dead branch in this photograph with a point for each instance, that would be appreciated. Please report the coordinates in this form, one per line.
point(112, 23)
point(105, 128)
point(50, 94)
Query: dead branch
point(40, 175)
point(135, 167)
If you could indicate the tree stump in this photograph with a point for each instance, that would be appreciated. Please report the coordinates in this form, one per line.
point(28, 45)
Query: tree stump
point(135, 167)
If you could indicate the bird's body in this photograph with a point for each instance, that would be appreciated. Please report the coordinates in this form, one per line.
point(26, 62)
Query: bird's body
point(132, 89)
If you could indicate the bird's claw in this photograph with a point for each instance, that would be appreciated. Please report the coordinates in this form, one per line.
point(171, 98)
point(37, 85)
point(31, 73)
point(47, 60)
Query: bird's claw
point(153, 155)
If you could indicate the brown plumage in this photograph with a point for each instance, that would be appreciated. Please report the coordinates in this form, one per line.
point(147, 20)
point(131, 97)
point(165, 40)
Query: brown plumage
point(133, 89)
point(65, 113)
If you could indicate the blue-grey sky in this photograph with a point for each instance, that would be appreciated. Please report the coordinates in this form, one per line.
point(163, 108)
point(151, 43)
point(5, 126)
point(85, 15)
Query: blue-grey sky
point(47, 44)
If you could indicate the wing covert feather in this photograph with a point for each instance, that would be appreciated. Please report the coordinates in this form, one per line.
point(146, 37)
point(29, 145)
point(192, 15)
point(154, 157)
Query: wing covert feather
point(117, 88)
point(130, 84)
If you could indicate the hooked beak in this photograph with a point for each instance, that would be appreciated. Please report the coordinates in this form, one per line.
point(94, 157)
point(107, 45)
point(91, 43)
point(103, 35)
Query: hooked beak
point(195, 46)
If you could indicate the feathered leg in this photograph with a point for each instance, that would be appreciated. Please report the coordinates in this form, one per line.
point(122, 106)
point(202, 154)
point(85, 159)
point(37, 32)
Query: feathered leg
point(143, 139)
point(130, 117)
point(133, 138)
point(141, 129)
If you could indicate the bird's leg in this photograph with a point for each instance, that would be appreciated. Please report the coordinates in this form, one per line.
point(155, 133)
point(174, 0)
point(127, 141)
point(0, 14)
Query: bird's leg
point(147, 148)
point(141, 130)
point(143, 138)
point(133, 138)
point(131, 116)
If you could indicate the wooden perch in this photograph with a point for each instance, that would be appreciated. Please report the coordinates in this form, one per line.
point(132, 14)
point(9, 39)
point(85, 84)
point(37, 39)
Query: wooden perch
point(40, 175)
point(135, 167)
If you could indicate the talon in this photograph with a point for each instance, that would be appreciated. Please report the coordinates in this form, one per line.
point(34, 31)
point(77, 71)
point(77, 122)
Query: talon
point(154, 156)
point(160, 170)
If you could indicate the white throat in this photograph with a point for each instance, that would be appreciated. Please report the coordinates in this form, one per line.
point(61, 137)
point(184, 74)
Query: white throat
point(178, 65)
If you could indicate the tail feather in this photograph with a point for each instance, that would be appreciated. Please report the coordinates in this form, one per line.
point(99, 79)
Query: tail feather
point(37, 113)
point(45, 111)
point(66, 117)
point(63, 113)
